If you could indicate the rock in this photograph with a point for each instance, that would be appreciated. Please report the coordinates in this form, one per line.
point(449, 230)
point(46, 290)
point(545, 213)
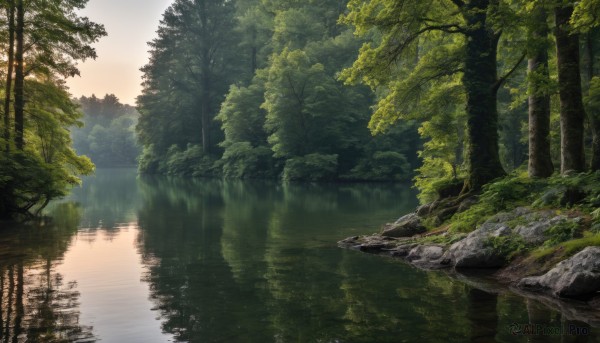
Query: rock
point(576, 277)
point(474, 252)
point(402, 250)
point(427, 256)
point(407, 226)
point(534, 232)
point(349, 243)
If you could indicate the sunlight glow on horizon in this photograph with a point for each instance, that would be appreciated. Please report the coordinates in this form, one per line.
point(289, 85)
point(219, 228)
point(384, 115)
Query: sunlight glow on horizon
point(130, 25)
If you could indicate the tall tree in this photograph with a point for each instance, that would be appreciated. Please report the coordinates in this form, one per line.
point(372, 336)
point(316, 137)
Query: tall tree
point(191, 66)
point(540, 161)
point(10, 11)
point(572, 113)
point(404, 27)
point(19, 75)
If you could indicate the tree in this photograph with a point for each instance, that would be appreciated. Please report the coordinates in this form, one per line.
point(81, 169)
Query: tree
point(586, 22)
point(10, 10)
point(404, 27)
point(572, 113)
point(540, 161)
point(49, 37)
point(190, 69)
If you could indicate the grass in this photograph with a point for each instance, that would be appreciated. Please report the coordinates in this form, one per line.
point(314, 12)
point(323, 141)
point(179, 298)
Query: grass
point(570, 247)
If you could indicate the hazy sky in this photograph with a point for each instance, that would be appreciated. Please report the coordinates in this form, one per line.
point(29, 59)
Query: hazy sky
point(130, 24)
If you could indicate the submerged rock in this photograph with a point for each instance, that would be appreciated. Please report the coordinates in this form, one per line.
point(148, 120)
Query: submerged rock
point(407, 226)
point(578, 276)
point(427, 256)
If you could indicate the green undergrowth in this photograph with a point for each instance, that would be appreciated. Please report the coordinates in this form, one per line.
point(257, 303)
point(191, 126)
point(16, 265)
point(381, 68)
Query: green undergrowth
point(575, 196)
point(503, 195)
point(569, 247)
point(509, 246)
point(579, 191)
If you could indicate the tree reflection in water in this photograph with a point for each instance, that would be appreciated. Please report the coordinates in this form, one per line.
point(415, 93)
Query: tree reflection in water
point(37, 305)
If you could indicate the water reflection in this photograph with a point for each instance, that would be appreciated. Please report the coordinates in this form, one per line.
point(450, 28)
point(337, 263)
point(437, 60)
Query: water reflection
point(159, 259)
point(37, 305)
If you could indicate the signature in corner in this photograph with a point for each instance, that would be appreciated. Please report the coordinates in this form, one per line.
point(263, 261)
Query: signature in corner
point(515, 329)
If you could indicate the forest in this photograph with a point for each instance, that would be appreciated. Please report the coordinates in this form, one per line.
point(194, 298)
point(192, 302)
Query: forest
point(452, 94)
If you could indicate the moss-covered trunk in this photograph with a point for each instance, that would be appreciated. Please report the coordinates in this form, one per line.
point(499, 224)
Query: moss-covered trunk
point(572, 113)
point(480, 81)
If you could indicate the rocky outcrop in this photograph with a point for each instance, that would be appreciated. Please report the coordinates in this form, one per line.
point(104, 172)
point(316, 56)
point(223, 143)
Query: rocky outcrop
point(576, 277)
point(491, 245)
point(407, 226)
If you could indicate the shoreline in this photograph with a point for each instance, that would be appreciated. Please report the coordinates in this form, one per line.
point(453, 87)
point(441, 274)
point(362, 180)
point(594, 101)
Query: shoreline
point(546, 253)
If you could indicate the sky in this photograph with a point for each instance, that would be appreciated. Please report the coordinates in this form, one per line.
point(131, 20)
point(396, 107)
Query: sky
point(130, 24)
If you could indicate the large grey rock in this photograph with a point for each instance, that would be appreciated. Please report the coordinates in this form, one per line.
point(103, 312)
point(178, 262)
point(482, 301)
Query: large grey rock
point(474, 251)
point(406, 226)
point(578, 276)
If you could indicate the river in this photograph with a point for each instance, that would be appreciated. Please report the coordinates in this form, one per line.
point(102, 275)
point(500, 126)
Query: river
point(157, 259)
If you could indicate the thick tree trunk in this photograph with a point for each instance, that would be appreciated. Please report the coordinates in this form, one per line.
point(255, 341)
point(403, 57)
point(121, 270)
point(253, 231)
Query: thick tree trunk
point(480, 81)
point(572, 113)
point(19, 77)
point(9, 72)
point(540, 160)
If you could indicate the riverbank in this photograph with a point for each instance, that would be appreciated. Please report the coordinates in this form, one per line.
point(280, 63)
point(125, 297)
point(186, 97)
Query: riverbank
point(539, 236)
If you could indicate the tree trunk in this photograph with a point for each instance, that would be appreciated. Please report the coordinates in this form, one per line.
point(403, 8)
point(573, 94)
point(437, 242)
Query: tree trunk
point(540, 160)
point(19, 77)
point(594, 117)
point(572, 113)
point(11, 55)
point(205, 92)
point(480, 81)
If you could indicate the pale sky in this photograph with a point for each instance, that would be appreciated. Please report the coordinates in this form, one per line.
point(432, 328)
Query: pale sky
point(130, 24)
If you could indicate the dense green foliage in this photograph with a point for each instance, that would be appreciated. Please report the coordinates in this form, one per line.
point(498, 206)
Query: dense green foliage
point(451, 71)
point(284, 113)
point(41, 41)
point(107, 136)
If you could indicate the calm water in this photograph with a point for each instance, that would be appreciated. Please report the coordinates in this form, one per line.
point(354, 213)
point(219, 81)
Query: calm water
point(129, 259)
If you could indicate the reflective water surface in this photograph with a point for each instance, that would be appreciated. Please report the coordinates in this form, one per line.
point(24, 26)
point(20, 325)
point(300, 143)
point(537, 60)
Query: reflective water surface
point(128, 259)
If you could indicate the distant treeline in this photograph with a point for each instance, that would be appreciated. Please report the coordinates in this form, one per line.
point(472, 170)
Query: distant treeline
point(107, 136)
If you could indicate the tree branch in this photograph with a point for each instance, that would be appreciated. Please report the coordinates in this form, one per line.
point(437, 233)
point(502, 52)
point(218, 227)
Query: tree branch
point(503, 79)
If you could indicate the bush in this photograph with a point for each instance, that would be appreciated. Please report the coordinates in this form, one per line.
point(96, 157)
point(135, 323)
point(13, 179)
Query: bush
point(312, 167)
point(241, 160)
